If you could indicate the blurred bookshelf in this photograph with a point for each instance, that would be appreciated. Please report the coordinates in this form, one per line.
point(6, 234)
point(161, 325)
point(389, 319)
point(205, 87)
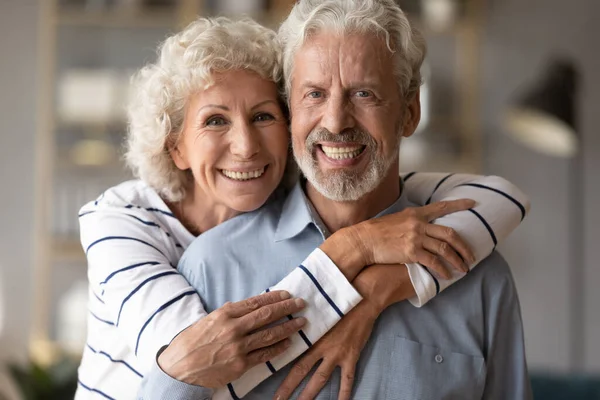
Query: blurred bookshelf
point(89, 50)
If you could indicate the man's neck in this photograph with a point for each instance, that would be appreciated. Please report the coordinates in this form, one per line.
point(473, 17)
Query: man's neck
point(337, 215)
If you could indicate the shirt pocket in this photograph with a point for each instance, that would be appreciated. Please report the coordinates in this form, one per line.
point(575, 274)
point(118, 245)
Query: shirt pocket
point(423, 372)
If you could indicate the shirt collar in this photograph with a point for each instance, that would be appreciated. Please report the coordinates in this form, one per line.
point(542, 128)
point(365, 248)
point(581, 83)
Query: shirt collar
point(298, 213)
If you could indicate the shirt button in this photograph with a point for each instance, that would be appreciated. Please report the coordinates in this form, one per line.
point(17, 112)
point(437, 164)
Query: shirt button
point(439, 359)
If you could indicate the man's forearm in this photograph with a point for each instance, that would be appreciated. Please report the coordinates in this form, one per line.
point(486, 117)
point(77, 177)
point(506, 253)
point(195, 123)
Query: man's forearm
point(383, 285)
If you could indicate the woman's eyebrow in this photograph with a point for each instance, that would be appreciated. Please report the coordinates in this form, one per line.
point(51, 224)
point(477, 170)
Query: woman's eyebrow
point(219, 106)
point(262, 103)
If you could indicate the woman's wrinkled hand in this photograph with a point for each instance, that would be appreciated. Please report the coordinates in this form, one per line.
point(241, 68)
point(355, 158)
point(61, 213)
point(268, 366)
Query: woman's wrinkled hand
point(409, 237)
point(222, 346)
point(340, 347)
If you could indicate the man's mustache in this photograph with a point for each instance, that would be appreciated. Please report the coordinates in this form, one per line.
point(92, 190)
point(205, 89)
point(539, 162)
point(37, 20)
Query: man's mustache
point(347, 136)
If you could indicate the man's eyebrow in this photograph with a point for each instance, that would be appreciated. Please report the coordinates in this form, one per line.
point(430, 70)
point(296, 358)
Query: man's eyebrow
point(262, 103)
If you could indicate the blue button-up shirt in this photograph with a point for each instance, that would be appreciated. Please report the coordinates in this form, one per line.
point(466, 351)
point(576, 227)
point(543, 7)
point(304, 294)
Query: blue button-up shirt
point(464, 344)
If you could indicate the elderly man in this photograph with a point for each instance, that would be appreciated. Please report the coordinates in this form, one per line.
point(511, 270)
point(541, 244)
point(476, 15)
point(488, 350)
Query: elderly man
point(352, 79)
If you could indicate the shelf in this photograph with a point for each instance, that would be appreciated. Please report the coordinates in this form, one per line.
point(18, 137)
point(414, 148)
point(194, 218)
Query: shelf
point(78, 17)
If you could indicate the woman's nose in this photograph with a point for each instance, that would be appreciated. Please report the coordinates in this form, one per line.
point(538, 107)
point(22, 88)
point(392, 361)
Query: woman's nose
point(245, 143)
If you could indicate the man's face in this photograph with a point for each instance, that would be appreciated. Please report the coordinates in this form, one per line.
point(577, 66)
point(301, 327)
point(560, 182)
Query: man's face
point(347, 114)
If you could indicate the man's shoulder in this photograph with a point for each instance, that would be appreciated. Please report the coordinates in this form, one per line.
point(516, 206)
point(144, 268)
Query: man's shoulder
point(492, 276)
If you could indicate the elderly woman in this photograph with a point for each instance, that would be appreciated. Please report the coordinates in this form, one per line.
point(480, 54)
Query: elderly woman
point(209, 140)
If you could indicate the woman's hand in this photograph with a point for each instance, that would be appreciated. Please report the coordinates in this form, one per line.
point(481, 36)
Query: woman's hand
point(401, 238)
point(222, 346)
point(340, 347)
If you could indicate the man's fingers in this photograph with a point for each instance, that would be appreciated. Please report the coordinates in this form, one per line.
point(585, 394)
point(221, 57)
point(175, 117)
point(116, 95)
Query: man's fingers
point(243, 307)
point(317, 381)
point(274, 334)
point(270, 313)
point(432, 262)
point(446, 252)
point(441, 208)
point(347, 381)
point(298, 372)
point(267, 353)
point(450, 236)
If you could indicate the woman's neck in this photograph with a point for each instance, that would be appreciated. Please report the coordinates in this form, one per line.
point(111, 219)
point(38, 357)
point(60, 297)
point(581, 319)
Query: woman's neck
point(199, 213)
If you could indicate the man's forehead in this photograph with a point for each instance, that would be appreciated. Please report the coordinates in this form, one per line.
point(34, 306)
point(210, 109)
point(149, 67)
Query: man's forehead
point(359, 56)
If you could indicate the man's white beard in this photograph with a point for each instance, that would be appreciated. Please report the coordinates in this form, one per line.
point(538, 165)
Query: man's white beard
point(345, 184)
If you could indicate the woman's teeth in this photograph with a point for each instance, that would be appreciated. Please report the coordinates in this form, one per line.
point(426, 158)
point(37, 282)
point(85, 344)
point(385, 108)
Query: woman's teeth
point(243, 176)
point(341, 153)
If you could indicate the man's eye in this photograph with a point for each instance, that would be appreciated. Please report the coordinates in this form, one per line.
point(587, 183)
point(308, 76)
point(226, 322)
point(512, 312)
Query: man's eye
point(216, 121)
point(363, 93)
point(263, 117)
point(315, 94)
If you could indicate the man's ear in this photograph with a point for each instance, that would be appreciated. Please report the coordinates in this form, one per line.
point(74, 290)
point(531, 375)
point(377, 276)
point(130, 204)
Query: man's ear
point(412, 115)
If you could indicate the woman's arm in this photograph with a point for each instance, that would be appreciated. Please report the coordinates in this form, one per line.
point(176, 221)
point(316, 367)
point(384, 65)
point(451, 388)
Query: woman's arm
point(500, 208)
point(132, 274)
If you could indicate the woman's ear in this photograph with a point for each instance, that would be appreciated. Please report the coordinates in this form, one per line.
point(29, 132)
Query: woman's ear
point(412, 115)
point(178, 154)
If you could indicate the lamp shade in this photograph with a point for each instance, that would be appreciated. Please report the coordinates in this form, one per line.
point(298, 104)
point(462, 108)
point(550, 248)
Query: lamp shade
point(544, 117)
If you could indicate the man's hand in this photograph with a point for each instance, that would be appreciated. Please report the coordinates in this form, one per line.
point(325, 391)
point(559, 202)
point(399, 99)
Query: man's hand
point(222, 346)
point(340, 347)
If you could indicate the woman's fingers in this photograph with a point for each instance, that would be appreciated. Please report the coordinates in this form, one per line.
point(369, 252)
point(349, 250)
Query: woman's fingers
point(243, 307)
point(318, 380)
point(267, 353)
point(274, 334)
point(298, 372)
point(270, 313)
point(450, 236)
point(347, 381)
point(439, 209)
point(432, 262)
point(445, 252)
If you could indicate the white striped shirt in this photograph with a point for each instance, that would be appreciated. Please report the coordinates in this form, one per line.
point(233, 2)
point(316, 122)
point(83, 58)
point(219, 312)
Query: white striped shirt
point(138, 301)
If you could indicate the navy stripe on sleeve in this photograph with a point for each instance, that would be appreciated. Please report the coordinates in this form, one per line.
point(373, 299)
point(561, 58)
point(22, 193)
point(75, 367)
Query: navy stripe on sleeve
point(167, 304)
point(123, 238)
point(232, 392)
point(114, 360)
point(271, 367)
point(302, 334)
point(437, 187)
point(437, 284)
point(101, 320)
point(108, 278)
point(134, 291)
point(325, 295)
point(500, 192)
point(151, 209)
point(98, 297)
point(487, 226)
point(94, 390)
point(99, 198)
point(86, 213)
point(408, 176)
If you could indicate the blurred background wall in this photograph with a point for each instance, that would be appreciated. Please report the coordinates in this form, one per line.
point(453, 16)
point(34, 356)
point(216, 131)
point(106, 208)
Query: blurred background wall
point(514, 44)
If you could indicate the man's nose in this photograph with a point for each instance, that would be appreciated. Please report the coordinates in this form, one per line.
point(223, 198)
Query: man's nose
point(245, 142)
point(337, 116)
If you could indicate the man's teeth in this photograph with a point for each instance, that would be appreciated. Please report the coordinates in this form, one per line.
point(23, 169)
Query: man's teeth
point(341, 153)
point(243, 176)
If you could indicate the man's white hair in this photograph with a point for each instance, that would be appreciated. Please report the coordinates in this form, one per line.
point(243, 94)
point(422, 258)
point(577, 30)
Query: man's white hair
point(186, 64)
point(342, 17)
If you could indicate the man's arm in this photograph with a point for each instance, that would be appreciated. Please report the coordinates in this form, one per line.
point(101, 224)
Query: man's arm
point(507, 376)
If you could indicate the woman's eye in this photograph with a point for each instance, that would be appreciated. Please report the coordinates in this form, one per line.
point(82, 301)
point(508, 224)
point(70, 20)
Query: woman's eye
point(263, 117)
point(315, 94)
point(363, 93)
point(216, 121)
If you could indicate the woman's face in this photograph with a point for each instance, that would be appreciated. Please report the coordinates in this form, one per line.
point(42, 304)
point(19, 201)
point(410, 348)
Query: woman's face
point(234, 141)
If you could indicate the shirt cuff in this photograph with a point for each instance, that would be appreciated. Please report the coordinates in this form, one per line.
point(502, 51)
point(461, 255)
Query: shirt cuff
point(423, 283)
point(159, 385)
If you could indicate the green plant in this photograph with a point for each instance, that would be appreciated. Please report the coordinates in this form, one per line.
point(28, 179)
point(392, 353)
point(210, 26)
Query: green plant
point(56, 382)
